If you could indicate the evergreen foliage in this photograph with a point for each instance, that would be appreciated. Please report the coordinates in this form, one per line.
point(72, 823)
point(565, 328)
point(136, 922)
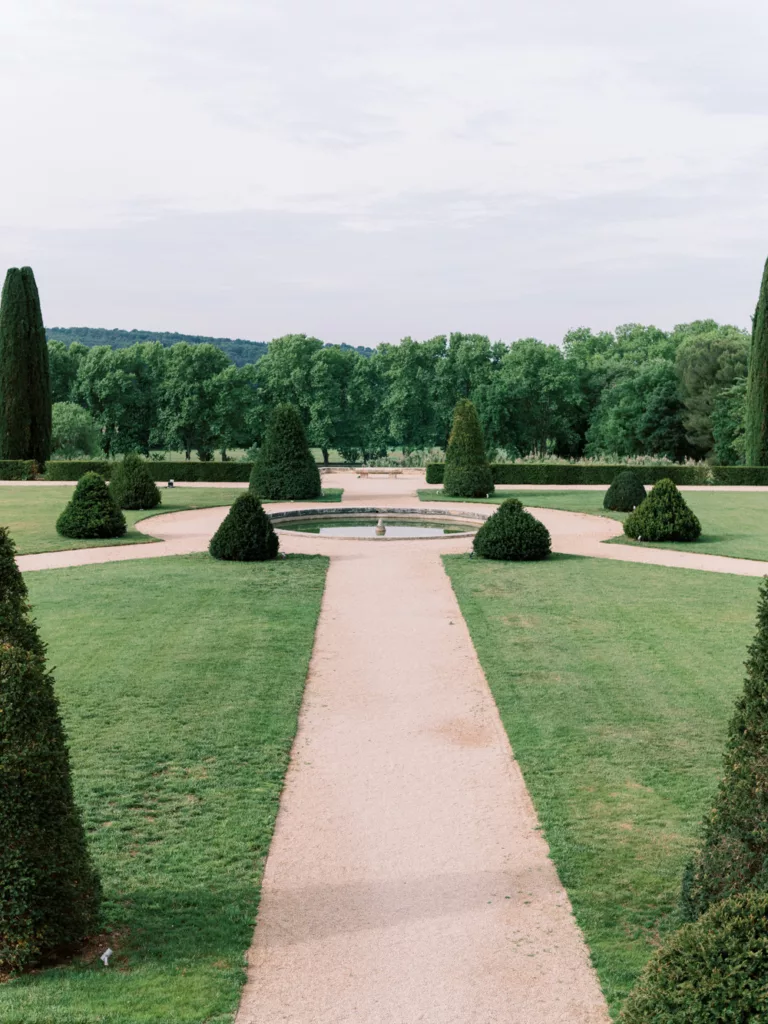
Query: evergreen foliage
point(663, 515)
point(625, 493)
point(512, 534)
point(734, 855)
point(25, 385)
point(711, 971)
point(92, 511)
point(246, 535)
point(756, 430)
point(131, 484)
point(467, 471)
point(284, 469)
point(49, 890)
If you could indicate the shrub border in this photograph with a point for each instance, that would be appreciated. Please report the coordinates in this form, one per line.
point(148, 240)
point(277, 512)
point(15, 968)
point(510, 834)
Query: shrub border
point(183, 472)
point(574, 473)
point(18, 469)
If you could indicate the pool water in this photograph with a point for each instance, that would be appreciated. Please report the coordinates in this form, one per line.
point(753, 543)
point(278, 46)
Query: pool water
point(366, 527)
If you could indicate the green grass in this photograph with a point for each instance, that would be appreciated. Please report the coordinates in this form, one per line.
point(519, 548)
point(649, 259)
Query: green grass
point(31, 513)
point(180, 682)
point(733, 523)
point(615, 683)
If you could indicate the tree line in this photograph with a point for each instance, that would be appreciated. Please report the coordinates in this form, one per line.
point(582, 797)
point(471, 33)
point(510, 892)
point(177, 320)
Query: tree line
point(239, 350)
point(637, 390)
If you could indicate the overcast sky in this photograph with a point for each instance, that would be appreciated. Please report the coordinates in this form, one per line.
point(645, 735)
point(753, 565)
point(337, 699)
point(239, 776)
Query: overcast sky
point(361, 170)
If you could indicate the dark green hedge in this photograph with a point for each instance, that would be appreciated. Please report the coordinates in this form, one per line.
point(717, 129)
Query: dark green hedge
point(182, 472)
point(746, 476)
point(64, 469)
point(17, 469)
point(553, 473)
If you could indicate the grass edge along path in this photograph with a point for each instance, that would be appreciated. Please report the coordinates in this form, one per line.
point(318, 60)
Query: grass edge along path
point(30, 513)
point(180, 683)
point(615, 683)
point(734, 523)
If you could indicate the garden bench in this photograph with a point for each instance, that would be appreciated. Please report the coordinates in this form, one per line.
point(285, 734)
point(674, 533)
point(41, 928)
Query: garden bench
point(379, 472)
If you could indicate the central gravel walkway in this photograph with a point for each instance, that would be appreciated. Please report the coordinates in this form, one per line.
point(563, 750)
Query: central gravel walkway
point(407, 881)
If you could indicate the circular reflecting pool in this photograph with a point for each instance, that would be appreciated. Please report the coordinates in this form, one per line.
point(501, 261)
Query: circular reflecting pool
point(367, 526)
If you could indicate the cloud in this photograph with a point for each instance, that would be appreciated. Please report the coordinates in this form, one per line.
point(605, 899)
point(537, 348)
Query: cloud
point(363, 171)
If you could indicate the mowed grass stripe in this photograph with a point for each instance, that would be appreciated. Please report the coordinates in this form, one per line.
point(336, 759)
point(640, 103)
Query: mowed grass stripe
point(180, 682)
point(615, 684)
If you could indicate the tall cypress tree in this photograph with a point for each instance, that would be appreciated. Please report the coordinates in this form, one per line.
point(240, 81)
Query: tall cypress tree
point(284, 469)
point(49, 890)
point(25, 384)
point(757, 383)
point(467, 472)
point(734, 856)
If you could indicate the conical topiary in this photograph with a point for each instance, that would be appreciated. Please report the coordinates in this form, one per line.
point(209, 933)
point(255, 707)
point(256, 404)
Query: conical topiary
point(25, 384)
point(711, 971)
point(284, 469)
point(512, 534)
point(663, 515)
point(246, 535)
point(49, 889)
point(625, 493)
point(467, 471)
point(734, 855)
point(91, 512)
point(131, 484)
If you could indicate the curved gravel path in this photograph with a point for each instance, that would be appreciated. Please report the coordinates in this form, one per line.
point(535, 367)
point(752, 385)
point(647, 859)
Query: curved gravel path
point(573, 533)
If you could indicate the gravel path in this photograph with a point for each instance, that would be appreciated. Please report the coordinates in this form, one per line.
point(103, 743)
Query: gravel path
point(572, 532)
point(407, 880)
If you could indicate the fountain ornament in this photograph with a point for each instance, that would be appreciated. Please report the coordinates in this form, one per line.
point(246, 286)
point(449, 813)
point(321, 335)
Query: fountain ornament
point(380, 528)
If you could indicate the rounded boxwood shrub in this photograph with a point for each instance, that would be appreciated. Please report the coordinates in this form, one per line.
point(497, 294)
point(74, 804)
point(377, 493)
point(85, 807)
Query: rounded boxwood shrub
point(467, 471)
point(711, 971)
point(625, 493)
point(50, 892)
point(512, 534)
point(663, 515)
point(131, 484)
point(246, 535)
point(284, 469)
point(734, 853)
point(92, 511)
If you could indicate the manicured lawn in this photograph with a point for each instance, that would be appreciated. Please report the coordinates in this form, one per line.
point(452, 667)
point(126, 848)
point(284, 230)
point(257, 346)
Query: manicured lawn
point(180, 681)
point(31, 513)
point(733, 523)
point(615, 684)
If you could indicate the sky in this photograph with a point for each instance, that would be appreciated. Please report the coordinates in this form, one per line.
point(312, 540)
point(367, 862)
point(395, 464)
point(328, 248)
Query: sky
point(363, 171)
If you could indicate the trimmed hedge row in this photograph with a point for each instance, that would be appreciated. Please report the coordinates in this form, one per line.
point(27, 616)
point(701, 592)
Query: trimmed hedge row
point(17, 469)
point(182, 472)
point(554, 473)
point(746, 476)
point(68, 470)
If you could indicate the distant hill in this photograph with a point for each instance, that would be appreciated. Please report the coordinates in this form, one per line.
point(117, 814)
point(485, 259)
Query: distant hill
point(239, 350)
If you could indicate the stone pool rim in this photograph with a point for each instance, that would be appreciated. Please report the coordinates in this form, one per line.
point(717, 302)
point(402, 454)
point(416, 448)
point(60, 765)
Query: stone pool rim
point(378, 510)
